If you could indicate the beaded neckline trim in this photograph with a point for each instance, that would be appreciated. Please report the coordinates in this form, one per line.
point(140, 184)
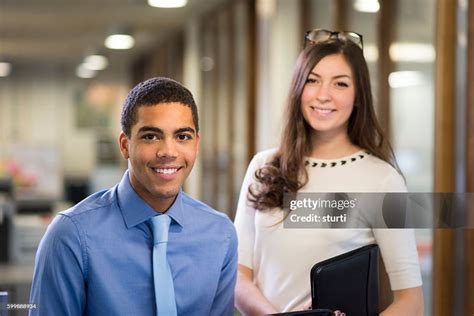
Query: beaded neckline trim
point(340, 162)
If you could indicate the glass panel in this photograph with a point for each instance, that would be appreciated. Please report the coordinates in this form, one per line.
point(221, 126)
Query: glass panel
point(412, 92)
point(411, 103)
point(412, 109)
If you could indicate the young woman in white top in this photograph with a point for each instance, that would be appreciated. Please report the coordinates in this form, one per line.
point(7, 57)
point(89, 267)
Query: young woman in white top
point(331, 142)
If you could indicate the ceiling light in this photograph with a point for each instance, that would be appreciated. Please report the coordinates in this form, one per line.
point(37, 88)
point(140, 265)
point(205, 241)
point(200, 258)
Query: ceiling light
point(96, 62)
point(412, 52)
point(369, 6)
point(119, 41)
point(5, 69)
point(403, 79)
point(167, 3)
point(82, 71)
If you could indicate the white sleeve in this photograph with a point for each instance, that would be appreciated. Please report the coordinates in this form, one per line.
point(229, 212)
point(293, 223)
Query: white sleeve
point(393, 182)
point(398, 249)
point(245, 215)
point(398, 246)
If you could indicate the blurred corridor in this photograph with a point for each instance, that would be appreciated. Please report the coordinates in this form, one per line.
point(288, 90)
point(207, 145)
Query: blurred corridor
point(60, 116)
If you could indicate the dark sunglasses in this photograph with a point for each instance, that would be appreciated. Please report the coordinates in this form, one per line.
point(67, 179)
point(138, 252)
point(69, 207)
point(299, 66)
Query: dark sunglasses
point(320, 35)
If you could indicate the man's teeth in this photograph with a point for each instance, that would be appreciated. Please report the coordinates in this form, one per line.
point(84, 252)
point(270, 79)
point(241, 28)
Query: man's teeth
point(166, 171)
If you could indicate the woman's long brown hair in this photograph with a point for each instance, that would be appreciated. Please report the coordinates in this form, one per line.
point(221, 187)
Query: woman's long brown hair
point(286, 172)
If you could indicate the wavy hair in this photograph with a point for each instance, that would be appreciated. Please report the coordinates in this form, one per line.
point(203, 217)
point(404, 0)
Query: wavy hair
point(286, 172)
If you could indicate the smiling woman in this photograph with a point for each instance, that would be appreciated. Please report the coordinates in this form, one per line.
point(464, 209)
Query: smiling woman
point(328, 98)
point(329, 119)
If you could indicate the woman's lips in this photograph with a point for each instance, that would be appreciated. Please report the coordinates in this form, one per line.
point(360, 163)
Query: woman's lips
point(322, 111)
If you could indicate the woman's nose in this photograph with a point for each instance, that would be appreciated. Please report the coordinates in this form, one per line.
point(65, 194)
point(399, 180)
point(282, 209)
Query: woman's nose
point(323, 93)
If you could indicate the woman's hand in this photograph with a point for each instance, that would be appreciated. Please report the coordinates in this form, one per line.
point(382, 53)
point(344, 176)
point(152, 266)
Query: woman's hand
point(308, 305)
point(249, 300)
point(406, 302)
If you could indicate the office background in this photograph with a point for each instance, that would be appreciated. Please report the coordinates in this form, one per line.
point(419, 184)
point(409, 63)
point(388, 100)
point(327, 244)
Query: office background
point(59, 122)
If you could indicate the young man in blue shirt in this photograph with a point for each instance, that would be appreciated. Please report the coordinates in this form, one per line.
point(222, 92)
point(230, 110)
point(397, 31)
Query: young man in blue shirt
point(96, 258)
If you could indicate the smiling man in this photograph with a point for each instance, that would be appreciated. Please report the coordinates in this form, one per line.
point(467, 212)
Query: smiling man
point(98, 257)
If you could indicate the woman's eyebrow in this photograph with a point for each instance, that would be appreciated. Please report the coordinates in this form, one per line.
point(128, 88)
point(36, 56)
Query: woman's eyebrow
point(335, 77)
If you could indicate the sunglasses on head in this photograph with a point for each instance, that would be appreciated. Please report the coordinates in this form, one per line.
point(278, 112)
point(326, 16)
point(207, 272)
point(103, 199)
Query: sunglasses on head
point(320, 35)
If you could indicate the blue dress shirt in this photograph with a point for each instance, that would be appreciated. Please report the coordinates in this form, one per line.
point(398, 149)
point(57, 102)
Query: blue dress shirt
point(96, 258)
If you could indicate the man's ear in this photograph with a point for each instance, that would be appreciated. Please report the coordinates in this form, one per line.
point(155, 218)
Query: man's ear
point(123, 143)
point(198, 141)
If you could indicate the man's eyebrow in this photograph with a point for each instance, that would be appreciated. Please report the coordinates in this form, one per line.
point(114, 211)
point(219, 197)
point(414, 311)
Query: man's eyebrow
point(184, 130)
point(145, 129)
point(153, 129)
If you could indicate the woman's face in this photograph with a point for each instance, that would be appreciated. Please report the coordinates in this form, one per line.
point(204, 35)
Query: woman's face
point(328, 96)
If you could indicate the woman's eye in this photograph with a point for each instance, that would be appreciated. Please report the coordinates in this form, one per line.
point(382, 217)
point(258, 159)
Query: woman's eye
point(312, 80)
point(342, 84)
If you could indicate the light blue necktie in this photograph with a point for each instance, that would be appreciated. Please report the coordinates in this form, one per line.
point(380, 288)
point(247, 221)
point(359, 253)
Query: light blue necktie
point(164, 288)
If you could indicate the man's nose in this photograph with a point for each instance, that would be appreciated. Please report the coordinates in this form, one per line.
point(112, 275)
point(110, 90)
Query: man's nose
point(167, 148)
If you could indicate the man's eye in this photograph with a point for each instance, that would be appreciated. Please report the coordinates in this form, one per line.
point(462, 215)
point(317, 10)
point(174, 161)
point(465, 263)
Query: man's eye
point(184, 137)
point(149, 137)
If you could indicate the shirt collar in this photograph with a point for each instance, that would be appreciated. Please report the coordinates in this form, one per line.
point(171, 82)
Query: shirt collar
point(135, 210)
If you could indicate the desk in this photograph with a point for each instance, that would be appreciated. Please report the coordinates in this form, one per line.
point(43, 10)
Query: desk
point(11, 274)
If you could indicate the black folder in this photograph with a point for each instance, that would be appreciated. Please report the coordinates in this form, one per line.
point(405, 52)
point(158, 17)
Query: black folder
point(311, 312)
point(348, 282)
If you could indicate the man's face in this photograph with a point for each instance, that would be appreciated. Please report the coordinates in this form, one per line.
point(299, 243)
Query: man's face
point(161, 151)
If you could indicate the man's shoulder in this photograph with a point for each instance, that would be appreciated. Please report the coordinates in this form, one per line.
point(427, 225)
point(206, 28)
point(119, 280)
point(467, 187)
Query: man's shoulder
point(206, 210)
point(94, 202)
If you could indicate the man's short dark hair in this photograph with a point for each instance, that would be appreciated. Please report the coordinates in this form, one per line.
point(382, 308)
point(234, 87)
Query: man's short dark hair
point(152, 92)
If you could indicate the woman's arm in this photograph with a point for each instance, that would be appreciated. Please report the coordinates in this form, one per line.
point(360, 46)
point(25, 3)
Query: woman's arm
point(249, 300)
point(406, 302)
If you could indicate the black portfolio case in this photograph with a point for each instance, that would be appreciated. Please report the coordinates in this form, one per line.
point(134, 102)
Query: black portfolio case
point(348, 282)
point(312, 312)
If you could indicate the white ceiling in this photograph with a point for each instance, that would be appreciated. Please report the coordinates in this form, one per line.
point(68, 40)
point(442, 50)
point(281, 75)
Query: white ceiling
point(62, 31)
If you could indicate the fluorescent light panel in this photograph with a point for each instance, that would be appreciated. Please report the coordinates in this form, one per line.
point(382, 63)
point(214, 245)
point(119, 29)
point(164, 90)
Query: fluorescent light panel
point(5, 69)
point(96, 62)
point(167, 3)
point(82, 71)
point(368, 6)
point(404, 79)
point(119, 41)
point(412, 52)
